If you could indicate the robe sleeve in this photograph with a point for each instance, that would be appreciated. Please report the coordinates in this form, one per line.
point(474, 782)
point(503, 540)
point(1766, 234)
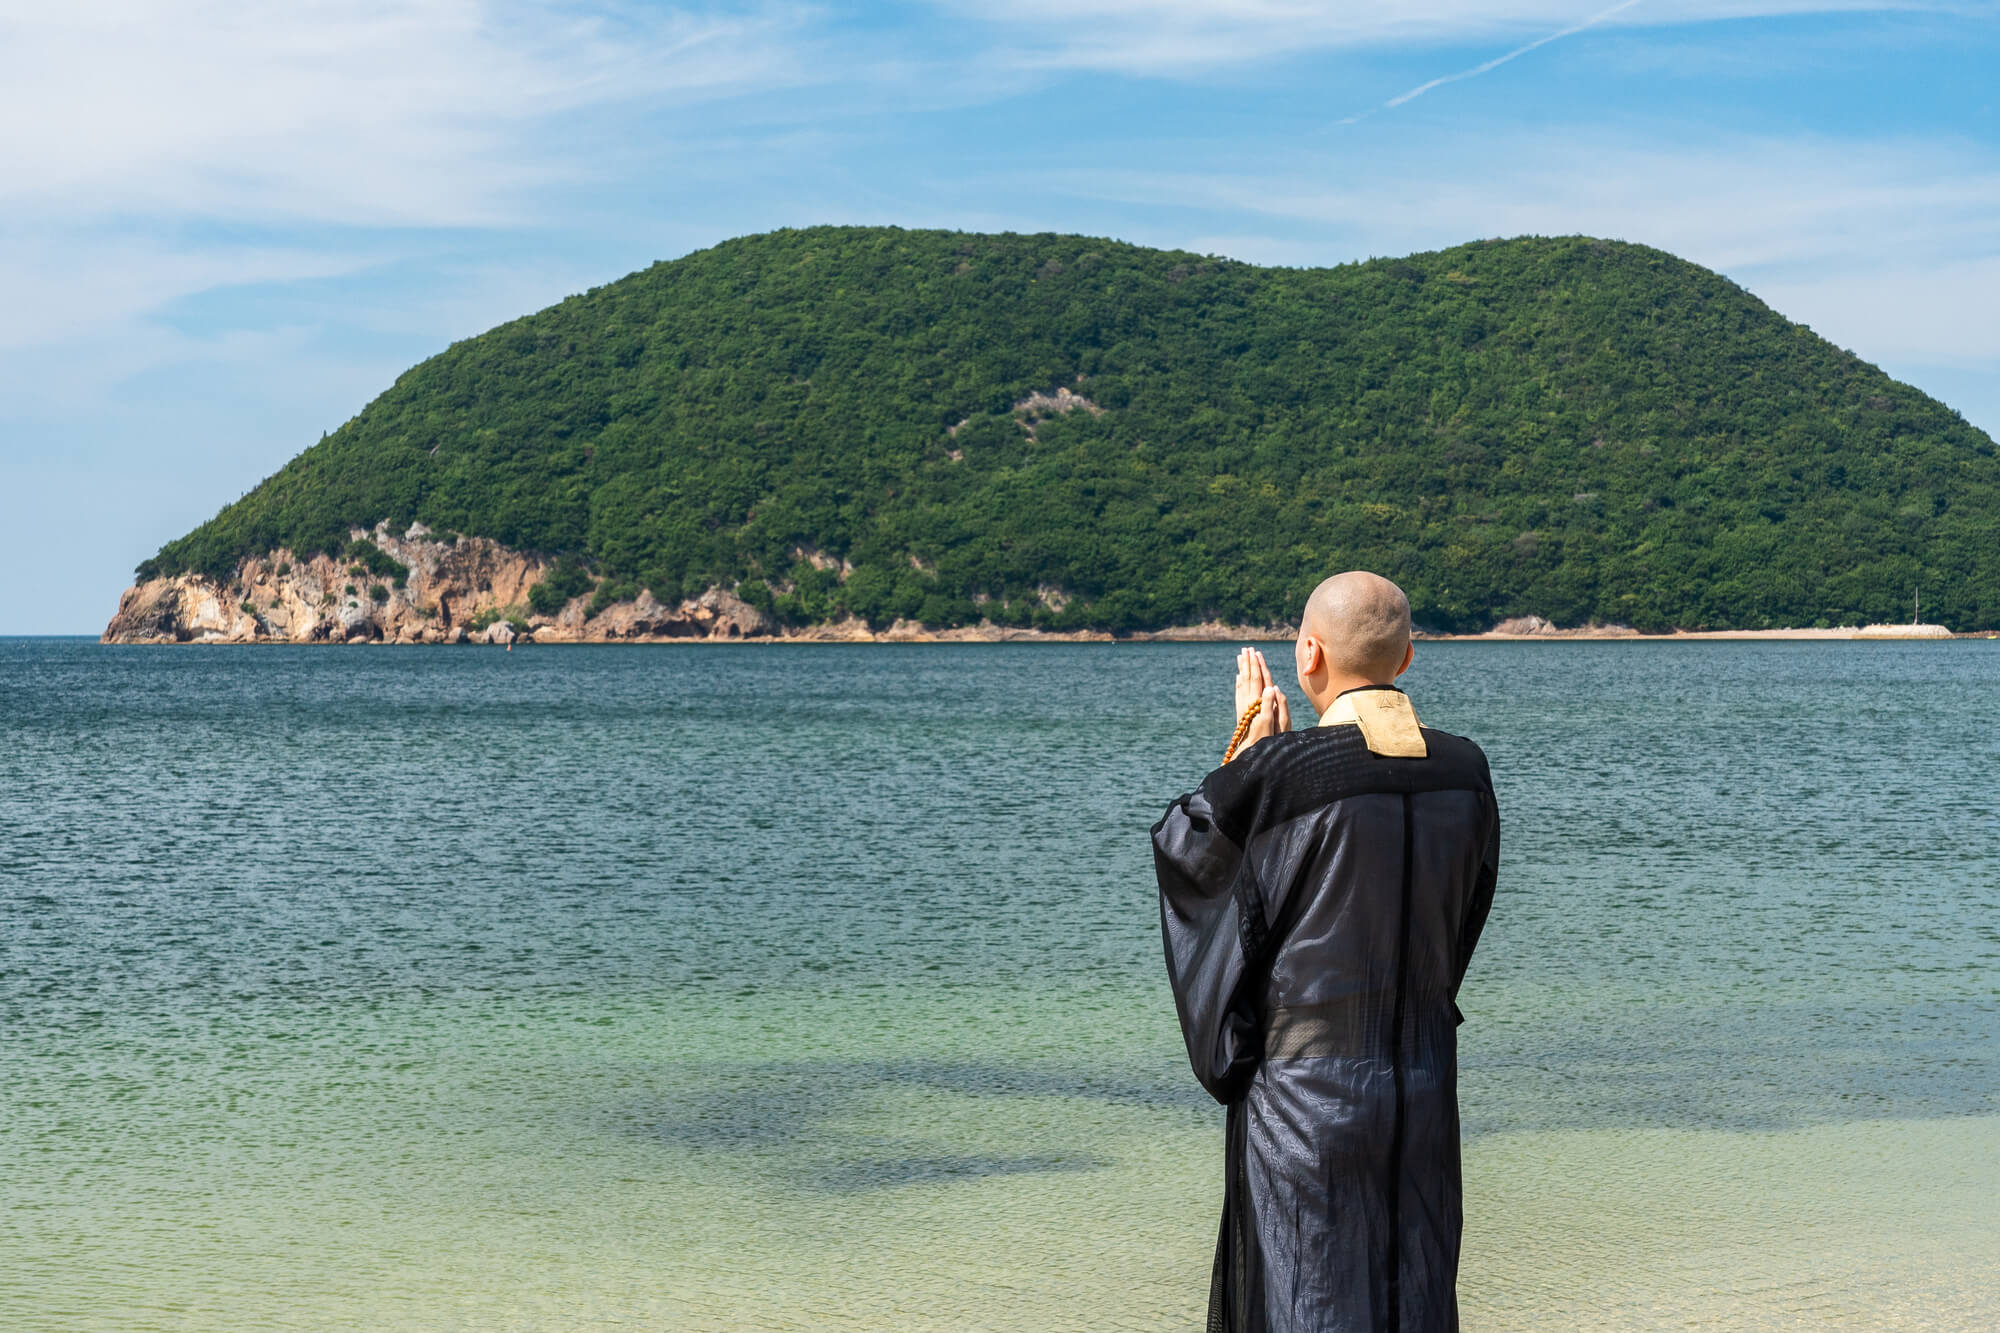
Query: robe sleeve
point(1481, 903)
point(1206, 886)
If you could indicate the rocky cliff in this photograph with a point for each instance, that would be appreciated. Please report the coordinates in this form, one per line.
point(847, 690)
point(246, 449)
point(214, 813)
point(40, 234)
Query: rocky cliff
point(420, 587)
point(467, 590)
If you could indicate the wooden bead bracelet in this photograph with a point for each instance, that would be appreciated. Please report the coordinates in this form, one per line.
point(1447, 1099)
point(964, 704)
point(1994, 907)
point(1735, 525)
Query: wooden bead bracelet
point(1242, 728)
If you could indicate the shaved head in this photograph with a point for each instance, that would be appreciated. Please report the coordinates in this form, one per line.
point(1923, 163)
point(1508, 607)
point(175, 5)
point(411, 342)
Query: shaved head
point(1362, 622)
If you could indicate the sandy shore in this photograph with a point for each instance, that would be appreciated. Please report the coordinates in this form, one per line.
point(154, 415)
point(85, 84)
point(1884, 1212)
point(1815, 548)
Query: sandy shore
point(1619, 633)
point(1213, 633)
point(1216, 632)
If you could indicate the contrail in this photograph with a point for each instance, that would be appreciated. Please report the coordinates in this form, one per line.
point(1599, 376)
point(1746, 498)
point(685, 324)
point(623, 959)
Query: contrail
point(1497, 61)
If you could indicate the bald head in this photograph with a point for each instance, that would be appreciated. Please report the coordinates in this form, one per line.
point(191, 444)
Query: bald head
point(1362, 622)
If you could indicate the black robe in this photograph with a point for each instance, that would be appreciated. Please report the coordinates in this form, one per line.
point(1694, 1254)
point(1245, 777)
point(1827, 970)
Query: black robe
point(1320, 904)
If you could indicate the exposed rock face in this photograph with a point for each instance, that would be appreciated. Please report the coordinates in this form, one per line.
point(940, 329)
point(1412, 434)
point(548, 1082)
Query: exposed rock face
point(476, 591)
point(1535, 627)
point(1039, 407)
point(716, 614)
point(471, 590)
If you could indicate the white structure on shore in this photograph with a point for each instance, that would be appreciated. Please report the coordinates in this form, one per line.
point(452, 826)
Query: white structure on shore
point(1916, 629)
point(1910, 631)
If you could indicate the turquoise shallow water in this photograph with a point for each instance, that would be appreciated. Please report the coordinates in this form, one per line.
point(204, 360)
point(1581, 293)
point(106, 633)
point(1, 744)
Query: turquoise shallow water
point(789, 987)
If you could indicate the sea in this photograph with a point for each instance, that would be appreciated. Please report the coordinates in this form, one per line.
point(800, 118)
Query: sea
point(799, 987)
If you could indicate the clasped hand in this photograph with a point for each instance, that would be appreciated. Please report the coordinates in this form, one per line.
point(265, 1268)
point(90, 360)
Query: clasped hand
point(1254, 684)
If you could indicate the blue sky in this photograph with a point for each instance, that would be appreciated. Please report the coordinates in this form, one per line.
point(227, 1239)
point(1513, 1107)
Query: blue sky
point(226, 225)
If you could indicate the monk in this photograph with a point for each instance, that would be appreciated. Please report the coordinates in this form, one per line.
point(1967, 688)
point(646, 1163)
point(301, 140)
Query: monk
point(1321, 895)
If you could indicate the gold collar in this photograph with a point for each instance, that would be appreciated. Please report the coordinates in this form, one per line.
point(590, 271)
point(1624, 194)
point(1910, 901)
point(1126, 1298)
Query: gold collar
point(1387, 720)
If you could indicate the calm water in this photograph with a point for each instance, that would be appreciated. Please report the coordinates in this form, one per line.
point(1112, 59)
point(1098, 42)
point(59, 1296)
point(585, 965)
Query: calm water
point(719, 988)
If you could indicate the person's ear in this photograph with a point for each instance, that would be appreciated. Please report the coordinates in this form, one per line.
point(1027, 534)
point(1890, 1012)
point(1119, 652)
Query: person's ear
point(1409, 656)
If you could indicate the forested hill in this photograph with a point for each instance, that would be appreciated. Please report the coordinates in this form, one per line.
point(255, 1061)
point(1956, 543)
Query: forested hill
point(1072, 432)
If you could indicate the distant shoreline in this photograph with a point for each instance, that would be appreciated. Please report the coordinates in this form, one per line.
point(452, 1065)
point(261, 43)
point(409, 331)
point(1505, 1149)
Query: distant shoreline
point(424, 589)
point(903, 634)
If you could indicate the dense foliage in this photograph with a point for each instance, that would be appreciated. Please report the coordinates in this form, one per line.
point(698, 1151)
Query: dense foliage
point(567, 578)
point(1575, 428)
point(369, 558)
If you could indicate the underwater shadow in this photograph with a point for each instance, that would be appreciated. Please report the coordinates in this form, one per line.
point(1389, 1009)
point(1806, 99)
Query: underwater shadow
point(783, 1117)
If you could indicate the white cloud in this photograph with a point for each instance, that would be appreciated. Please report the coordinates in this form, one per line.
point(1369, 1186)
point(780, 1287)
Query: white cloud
point(44, 384)
point(58, 283)
point(372, 112)
point(151, 151)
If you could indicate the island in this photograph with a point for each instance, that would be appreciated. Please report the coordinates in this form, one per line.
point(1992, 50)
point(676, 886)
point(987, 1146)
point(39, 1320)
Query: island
point(870, 432)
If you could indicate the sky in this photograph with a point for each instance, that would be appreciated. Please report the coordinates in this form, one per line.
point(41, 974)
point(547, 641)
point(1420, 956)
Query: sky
point(226, 225)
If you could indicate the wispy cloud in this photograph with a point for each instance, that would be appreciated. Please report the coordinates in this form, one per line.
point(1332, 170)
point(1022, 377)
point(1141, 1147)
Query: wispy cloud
point(1935, 311)
point(1515, 54)
point(156, 152)
point(1889, 247)
point(369, 112)
point(1178, 37)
